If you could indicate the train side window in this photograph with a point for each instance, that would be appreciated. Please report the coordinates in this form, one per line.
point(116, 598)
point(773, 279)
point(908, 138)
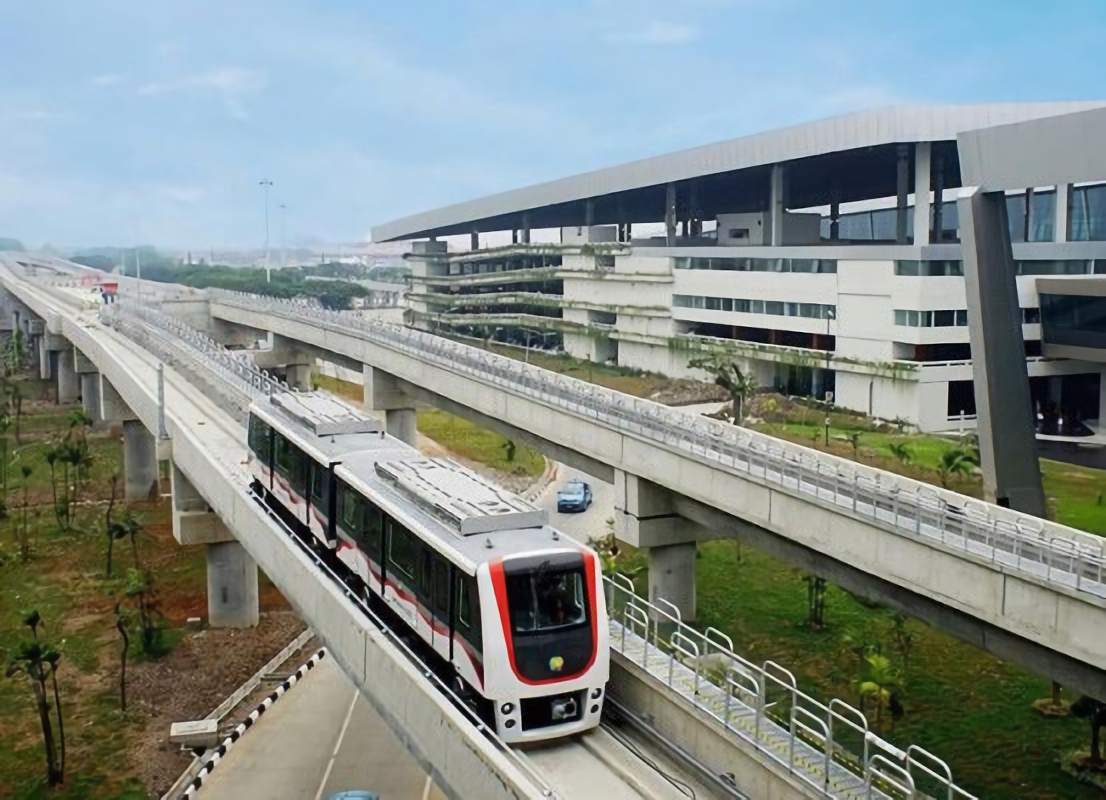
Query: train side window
point(439, 590)
point(298, 475)
point(426, 571)
point(347, 513)
point(318, 484)
point(468, 610)
point(283, 456)
point(402, 549)
point(373, 528)
point(259, 438)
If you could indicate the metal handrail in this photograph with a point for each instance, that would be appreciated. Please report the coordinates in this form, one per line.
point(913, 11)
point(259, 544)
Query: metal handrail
point(860, 490)
point(737, 698)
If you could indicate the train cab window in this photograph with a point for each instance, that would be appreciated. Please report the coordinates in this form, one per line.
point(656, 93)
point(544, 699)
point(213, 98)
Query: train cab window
point(540, 601)
point(402, 549)
point(259, 438)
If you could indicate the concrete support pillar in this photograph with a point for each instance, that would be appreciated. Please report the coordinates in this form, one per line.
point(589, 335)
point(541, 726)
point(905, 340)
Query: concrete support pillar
point(589, 212)
point(835, 220)
point(938, 198)
point(1063, 208)
point(672, 577)
point(474, 240)
point(670, 215)
point(694, 211)
point(44, 371)
point(514, 236)
point(139, 462)
point(1007, 439)
point(402, 423)
point(902, 182)
point(383, 393)
point(231, 586)
point(69, 387)
point(299, 377)
point(777, 204)
point(90, 395)
point(922, 179)
point(525, 234)
point(644, 516)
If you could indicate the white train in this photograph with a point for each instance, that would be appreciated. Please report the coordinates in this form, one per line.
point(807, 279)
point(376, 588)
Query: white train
point(513, 610)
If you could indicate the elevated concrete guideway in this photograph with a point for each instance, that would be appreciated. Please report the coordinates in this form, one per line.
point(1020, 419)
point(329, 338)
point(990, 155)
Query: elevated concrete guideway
point(1021, 587)
point(713, 732)
point(206, 447)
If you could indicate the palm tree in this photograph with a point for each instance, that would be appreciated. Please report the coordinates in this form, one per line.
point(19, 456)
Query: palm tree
point(902, 452)
point(38, 662)
point(954, 461)
point(878, 682)
point(729, 376)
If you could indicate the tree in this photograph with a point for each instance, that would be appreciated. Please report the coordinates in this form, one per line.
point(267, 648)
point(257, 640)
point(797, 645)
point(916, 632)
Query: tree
point(142, 596)
point(901, 452)
point(38, 662)
point(510, 447)
point(953, 462)
point(122, 622)
point(115, 529)
point(24, 531)
point(729, 376)
point(1094, 711)
point(5, 425)
point(879, 683)
point(15, 401)
point(816, 601)
point(902, 638)
point(853, 438)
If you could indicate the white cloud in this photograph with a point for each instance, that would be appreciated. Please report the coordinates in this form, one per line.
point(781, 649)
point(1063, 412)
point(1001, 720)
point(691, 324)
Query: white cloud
point(106, 81)
point(230, 83)
point(658, 33)
point(181, 194)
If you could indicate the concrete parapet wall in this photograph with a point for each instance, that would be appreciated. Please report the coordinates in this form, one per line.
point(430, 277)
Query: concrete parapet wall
point(673, 717)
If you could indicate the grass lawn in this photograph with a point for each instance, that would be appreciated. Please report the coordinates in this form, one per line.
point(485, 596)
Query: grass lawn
point(964, 706)
point(65, 582)
point(456, 435)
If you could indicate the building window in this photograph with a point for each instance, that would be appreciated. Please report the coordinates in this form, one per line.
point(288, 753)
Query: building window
point(930, 269)
point(1088, 213)
point(1031, 316)
point(816, 265)
point(739, 233)
point(961, 399)
point(1068, 267)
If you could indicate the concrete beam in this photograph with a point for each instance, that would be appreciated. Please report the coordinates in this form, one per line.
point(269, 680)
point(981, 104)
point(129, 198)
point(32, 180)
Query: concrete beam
point(82, 364)
point(382, 391)
point(232, 334)
point(193, 520)
point(555, 450)
point(69, 386)
point(232, 598)
point(113, 408)
point(1047, 662)
point(645, 517)
point(1007, 436)
point(139, 462)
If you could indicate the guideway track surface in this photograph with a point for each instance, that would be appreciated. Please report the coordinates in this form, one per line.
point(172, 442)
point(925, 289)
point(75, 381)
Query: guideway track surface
point(742, 708)
point(208, 447)
point(569, 763)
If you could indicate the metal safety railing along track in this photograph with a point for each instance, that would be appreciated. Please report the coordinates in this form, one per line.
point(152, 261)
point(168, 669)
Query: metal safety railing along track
point(828, 747)
point(1010, 540)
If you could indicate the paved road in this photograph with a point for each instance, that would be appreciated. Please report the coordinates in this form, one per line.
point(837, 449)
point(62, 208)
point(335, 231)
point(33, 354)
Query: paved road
point(590, 524)
point(319, 739)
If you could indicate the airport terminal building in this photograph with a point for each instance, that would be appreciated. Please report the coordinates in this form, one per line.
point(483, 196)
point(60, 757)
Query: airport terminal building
point(821, 258)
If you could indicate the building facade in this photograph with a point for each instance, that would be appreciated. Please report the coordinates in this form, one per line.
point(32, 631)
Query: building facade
point(835, 272)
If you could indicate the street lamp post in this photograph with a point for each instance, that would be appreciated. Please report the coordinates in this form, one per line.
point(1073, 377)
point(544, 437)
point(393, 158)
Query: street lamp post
point(283, 230)
point(265, 185)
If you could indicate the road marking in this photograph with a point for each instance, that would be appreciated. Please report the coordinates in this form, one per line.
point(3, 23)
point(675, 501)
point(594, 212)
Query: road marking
point(337, 745)
point(427, 787)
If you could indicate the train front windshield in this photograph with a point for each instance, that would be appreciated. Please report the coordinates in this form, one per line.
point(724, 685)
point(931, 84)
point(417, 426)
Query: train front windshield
point(543, 601)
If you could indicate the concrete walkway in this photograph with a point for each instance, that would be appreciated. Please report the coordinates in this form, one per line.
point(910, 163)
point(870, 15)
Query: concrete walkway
point(319, 739)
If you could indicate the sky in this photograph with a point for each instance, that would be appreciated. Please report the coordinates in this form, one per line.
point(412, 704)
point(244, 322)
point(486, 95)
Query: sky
point(153, 121)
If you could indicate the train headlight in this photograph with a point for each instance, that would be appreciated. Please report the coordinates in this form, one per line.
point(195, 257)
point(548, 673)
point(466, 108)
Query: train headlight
point(507, 708)
point(596, 694)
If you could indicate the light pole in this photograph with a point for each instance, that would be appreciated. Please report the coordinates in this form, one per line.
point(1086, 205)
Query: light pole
point(265, 185)
point(283, 226)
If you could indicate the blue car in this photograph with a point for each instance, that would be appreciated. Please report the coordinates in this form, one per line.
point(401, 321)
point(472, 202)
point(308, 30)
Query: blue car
point(575, 496)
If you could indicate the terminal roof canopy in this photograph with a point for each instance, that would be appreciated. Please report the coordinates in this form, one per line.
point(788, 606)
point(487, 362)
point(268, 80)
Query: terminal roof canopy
point(847, 158)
